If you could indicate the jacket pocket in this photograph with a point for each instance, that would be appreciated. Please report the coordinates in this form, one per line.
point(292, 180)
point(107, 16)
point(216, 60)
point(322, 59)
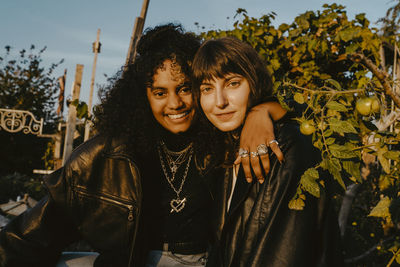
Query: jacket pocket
point(104, 220)
point(108, 199)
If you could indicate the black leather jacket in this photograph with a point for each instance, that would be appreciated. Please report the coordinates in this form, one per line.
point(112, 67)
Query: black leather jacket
point(83, 203)
point(260, 229)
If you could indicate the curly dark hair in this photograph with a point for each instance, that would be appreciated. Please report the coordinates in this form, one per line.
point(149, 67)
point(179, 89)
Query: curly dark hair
point(124, 110)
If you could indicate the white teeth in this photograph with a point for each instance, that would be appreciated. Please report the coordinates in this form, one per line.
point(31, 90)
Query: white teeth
point(177, 116)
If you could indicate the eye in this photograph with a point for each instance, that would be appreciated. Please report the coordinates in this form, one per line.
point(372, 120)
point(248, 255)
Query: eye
point(159, 93)
point(205, 89)
point(185, 90)
point(234, 83)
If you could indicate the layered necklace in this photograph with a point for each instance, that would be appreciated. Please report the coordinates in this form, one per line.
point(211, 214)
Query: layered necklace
point(174, 160)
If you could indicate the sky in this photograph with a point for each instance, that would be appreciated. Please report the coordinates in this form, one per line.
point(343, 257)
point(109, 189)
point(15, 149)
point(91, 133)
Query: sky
point(68, 28)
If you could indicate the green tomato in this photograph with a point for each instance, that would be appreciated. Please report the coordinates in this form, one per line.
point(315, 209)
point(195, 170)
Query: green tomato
point(364, 106)
point(375, 105)
point(307, 127)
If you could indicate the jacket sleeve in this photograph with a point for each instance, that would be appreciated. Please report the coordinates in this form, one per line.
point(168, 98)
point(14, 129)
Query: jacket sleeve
point(37, 236)
point(289, 237)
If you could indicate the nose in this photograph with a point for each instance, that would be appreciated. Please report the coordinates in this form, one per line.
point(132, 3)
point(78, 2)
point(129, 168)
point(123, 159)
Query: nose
point(221, 100)
point(174, 101)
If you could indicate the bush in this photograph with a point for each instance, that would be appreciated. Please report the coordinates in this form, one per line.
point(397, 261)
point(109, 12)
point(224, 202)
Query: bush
point(16, 184)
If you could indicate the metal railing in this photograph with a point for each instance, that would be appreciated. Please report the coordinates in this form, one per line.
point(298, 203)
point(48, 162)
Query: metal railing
point(12, 120)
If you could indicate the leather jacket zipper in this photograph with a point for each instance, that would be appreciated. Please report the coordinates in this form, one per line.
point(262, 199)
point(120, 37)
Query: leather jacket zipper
point(109, 200)
point(132, 165)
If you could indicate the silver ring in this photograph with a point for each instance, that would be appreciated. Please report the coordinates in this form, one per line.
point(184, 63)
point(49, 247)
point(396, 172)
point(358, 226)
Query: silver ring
point(243, 153)
point(262, 149)
point(253, 154)
point(273, 141)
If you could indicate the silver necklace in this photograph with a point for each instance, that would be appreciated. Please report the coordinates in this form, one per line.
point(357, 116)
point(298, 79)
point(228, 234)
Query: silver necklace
point(180, 157)
point(177, 204)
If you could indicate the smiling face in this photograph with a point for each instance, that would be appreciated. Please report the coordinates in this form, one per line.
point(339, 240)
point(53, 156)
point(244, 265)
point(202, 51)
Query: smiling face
point(170, 98)
point(225, 100)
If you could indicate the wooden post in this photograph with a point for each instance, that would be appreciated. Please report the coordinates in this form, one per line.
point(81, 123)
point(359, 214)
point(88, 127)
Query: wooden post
point(383, 65)
point(96, 48)
point(71, 122)
point(396, 86)
point(136, 33)
point(395, 76)
point(57, 150)
point(61, 81)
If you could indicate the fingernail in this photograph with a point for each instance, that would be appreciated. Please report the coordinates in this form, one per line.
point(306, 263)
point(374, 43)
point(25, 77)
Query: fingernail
point(249, 180)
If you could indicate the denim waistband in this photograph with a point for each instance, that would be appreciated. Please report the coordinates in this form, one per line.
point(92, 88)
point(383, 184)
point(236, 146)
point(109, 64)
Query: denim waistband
point(185, 248)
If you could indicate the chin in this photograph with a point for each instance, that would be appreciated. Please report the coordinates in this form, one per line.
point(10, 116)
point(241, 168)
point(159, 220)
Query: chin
point(179, 130)
point(226, 128)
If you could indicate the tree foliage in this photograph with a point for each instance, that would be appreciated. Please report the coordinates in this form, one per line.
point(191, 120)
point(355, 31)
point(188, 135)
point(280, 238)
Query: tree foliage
point(26, 85)
point(390, 23)
point(333, 66)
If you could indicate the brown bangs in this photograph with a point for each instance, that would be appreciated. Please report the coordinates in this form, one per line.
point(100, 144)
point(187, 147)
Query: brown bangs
point(215, 60)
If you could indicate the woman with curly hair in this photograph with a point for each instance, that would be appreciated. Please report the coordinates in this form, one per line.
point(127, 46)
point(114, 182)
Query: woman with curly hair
point(140, 193)
point(257, 227)
point(177, 184)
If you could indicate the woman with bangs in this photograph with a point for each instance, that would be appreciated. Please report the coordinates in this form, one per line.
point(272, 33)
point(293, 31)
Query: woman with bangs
point(258, 228)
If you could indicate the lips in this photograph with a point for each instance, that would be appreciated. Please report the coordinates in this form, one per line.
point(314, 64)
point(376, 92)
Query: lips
point(225, 116)
point(178, 116)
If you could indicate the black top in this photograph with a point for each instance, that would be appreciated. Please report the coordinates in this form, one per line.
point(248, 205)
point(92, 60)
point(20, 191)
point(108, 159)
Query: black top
point(160, 225)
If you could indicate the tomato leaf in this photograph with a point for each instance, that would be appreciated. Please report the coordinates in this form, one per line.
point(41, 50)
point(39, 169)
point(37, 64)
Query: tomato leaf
point(308, 181)
point(381, 210)
point(296, 204)
point(336, 106)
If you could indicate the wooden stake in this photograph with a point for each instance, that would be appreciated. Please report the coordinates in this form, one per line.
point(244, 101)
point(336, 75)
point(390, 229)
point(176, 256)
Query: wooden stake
point(136, 34)
point(71, 122)
point(96, 51)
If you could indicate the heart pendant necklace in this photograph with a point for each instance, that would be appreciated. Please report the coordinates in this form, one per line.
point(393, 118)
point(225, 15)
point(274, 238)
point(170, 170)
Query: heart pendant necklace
point(177, 204)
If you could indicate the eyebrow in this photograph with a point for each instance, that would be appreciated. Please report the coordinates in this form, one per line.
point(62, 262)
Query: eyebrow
point(205, 83)
point(225, 78)
point(231, 76)
point(157, 88)
point(186, 83)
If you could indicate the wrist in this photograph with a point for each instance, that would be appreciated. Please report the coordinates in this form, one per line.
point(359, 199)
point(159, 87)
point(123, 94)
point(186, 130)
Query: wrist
point(272, 109)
